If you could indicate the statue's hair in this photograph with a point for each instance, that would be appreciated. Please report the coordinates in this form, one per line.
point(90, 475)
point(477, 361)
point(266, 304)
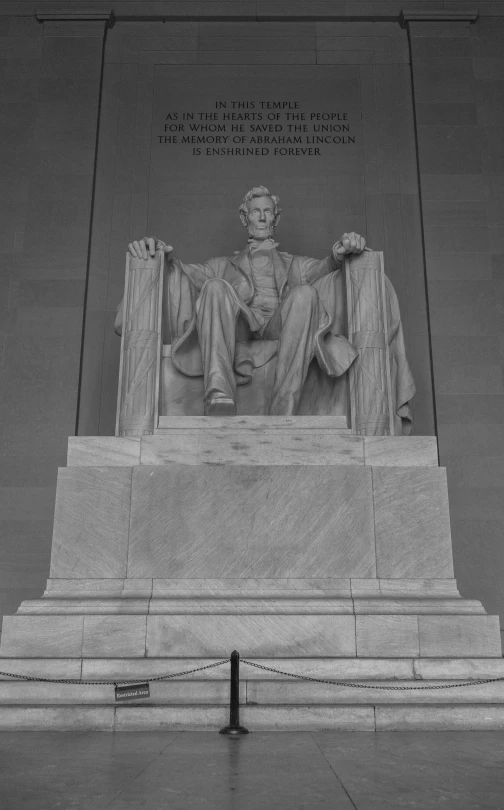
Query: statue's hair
point(258, 191)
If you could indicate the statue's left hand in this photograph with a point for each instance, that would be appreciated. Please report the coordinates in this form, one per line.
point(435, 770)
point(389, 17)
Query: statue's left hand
point(143, 248)
point(349, 243)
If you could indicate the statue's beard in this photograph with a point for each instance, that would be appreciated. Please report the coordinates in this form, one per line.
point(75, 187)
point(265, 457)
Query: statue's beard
point(260, 233)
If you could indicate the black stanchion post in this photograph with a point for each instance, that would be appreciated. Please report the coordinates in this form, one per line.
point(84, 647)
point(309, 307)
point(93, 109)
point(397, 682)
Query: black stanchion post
point(234, 729)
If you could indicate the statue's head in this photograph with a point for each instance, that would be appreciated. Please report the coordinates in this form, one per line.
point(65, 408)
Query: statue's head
point(260, 212)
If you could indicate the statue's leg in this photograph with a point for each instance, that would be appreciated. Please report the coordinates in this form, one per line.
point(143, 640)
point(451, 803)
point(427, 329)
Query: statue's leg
point(217, 312)
point(295, 324)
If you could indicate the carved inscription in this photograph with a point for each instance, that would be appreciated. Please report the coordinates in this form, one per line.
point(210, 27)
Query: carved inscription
point(244, 128)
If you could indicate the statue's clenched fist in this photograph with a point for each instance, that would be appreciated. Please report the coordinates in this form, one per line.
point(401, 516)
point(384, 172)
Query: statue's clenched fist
point(143, 248)
point(349, 243)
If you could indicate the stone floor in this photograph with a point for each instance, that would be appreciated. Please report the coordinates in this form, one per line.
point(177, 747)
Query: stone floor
point(290, 770)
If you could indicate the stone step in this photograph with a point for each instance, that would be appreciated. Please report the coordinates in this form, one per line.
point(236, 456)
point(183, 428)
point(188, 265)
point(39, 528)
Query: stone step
point(192, 605)
point(215, 693)
point(286, 447)
point(269, 701)
point(244, 448)
point(264, 636)
point(307, 693)
point(238, 444)
point(269, 423)
point(254, 718)
point(256, 692)
point(359, 669)
point(242, 587)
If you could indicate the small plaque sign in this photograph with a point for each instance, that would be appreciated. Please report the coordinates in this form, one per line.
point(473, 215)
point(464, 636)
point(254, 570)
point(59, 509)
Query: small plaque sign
point(132, 691)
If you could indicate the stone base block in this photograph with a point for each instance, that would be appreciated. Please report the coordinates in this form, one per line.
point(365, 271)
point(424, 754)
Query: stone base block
point(369, 718)
point(73, 636)
point(459, 636)
point(440, 718)
point(231, 522)
point(255, 718)
point(273, 693)
point(57, 718)
point(276, 521)
point(428, 636)
point(254, 635)
point(265, 633)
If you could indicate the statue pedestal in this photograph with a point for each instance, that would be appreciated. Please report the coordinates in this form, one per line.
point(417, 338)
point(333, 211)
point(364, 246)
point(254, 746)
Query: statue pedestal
point(300, 545)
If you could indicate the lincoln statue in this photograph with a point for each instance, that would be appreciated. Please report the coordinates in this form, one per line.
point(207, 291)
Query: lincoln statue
point(230, 315)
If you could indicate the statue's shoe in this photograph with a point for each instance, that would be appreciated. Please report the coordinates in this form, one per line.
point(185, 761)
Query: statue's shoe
point(220, 406)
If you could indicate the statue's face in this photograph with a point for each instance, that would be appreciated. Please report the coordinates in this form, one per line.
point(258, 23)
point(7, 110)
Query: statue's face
point(261, 217)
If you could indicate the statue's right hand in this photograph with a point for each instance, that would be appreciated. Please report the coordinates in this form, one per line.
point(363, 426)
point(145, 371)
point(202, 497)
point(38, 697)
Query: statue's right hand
point(143, 248)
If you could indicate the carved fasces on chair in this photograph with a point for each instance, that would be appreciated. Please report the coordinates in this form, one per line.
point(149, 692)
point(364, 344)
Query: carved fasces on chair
point(141, 346)
point(371, 404)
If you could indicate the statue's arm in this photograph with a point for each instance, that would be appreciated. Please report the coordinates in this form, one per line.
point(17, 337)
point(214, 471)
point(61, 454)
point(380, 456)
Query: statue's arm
point(197, 273)
point(312, 269)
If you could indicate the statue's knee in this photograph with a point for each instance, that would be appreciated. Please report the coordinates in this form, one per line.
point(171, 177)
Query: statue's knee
point(303, 295)
point(215, 287)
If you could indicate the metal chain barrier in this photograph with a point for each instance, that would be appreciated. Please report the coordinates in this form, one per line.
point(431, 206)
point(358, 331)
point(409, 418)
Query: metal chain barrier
point(111, 683)
point(351, 684)
point(367, 685)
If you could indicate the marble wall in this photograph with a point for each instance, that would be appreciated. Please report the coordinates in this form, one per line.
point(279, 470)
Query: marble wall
point(49, 90)
point(458, 71)
point(50, 78)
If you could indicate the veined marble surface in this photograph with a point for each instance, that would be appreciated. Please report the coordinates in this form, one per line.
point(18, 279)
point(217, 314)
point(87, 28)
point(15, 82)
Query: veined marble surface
point(241, 587)
point(271, 636)
point(400, 587)
point(253, 440)
point(91, 522)
point(287, 635)
point(232, 423)
point(254, 522)
point(103, 451)
point(387, 636)
point(412, 523)
point(268, 693)
point(439, 718)
point(197, 605)
point(201, 521)
point(401, 451)
point(247, 447)
point(103, 588)
point(444, 636)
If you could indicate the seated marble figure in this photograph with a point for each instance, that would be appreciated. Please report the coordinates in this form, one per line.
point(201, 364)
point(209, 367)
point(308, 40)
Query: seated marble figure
point(223, 311)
